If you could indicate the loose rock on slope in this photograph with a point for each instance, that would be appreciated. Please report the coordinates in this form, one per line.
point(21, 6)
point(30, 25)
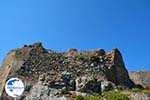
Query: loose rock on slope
point(83, 71)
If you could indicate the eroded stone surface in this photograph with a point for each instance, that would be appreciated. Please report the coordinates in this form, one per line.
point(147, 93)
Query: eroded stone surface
point(33, 64)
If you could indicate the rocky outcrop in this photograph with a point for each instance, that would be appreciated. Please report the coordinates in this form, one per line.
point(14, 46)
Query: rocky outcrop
point(82, 71)
point(136, 96)
point(88, 85)
point(141, 78)
point(8, 62)
point(41, 92)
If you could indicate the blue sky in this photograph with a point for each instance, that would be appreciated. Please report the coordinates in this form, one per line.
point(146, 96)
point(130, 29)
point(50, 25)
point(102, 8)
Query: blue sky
point(82, 24)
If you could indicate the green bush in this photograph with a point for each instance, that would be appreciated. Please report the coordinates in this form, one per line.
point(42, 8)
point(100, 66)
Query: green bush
point(112, 95)
point(92, 98)
point(135, 90)
point(120, 87)
point(140, 91)
point(80, 97)
point(146, 92)
point(64, 91)
point(80, 57)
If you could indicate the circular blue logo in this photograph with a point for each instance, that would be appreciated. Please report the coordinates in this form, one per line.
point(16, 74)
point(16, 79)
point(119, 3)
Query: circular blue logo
point(14, 87)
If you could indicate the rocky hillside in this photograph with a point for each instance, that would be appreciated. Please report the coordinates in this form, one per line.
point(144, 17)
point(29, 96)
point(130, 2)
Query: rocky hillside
point(141, 77)
point(47, 74)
